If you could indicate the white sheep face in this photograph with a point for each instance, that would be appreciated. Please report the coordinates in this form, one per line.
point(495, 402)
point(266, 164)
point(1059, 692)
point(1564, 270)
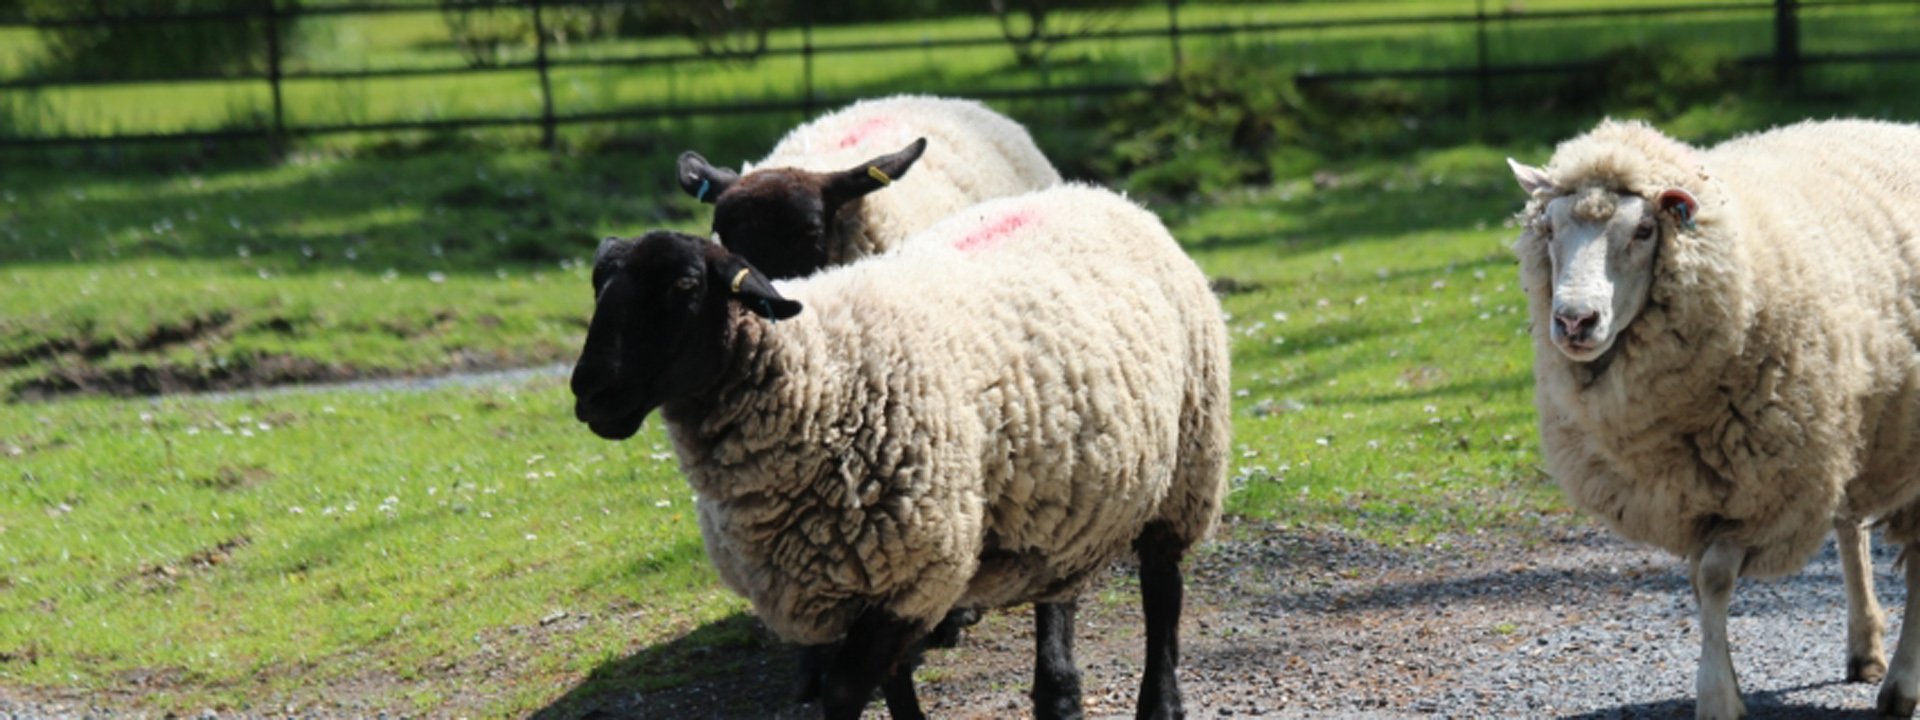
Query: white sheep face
point(1601, 245)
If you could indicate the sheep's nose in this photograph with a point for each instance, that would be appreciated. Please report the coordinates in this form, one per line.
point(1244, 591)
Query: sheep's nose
point(1576, 325)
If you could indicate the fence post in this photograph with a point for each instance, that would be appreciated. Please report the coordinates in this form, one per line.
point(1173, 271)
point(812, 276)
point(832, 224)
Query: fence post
point(1173, 34)
point(1482, 73)
point(546, 85)
point(1786, 43)
point(806, 56)
point(273, 68)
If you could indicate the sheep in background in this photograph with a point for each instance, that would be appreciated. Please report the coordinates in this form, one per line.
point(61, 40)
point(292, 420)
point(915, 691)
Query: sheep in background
point(811, 203)
point(1725, 360)
point(987, 417)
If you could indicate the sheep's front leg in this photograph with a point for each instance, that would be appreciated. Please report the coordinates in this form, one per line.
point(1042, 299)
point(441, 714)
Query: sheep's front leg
point(876, 648)
point(1056, 681)
point(1902, 686)
point(1160, 595)
point(1866, 655)
point(1716, 690)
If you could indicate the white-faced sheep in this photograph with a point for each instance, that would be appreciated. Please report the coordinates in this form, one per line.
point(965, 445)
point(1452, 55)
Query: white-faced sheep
point(1725, 360)
point(986, 417)
point(811, 203)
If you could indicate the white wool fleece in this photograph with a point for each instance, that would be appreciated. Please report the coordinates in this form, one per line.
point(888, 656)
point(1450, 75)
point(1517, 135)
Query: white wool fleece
point(987, 417)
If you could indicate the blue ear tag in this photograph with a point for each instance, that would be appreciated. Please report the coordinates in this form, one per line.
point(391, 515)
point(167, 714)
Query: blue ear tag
point(768, 306)
point(702, 195)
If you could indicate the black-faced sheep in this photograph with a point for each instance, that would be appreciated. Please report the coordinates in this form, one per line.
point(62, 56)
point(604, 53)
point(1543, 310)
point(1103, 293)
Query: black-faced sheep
point(1725, 357)
point(988, 416)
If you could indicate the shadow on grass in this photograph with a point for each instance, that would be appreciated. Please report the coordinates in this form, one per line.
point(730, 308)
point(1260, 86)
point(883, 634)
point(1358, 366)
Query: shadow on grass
point(729, 668)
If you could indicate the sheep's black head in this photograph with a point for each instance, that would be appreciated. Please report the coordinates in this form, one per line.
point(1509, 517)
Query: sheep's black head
point(781, 218)
point(661, 305)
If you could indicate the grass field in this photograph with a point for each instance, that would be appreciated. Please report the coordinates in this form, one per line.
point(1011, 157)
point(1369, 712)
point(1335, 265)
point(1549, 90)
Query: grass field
point(471, 550)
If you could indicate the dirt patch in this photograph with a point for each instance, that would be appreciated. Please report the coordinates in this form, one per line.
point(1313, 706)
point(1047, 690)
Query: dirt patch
point(158, 577)
point(147, 380)
point(192, 330)
point(229, 477)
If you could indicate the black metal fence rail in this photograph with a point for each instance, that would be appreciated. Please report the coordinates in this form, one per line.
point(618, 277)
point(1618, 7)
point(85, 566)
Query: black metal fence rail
point(1786, 57)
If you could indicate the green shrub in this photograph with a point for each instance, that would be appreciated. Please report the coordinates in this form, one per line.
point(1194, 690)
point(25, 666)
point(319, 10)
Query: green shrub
point(150, 49)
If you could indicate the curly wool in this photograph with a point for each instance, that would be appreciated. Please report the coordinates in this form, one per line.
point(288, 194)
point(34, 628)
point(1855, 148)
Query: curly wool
point(967, 422)
point(973, 154)
point(1771, 382)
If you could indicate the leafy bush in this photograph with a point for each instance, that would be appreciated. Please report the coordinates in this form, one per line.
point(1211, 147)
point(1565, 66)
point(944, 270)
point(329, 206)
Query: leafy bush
point(1660, 79)
point(150, 49)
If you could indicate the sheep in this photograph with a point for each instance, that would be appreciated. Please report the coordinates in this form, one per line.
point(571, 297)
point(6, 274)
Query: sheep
point(1724, 358)
point(808, 205)
point(811, 203)
point(985, 417)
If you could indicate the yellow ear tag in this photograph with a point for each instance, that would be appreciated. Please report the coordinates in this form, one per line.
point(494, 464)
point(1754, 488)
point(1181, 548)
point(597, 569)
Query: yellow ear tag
point(875, 173)
point(738, 278)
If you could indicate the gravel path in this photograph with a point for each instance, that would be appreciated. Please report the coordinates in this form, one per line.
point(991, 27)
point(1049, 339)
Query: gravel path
point(1566, 622)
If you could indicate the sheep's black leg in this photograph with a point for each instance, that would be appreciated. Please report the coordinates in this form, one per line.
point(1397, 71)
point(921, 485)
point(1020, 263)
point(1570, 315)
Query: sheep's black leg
point(1056, 681)
point(813, 666)
point(902, 703)
point(1160, 591)
point(947, 633)
point(876, 646)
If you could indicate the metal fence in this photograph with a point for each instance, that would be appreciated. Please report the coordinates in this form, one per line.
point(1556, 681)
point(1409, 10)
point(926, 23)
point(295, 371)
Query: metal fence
point(1786, 58)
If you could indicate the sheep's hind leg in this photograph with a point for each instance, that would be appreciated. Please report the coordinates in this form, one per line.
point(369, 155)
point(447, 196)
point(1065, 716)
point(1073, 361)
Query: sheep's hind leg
point(1902, 686)
point(877, 649)
point(1160, 595)
point(1715, 571)
point(1056, 681)
point(813, 663)
point(1866, 653)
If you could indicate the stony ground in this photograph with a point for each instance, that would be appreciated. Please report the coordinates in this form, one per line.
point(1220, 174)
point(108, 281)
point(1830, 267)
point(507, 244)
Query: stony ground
point(1560, 622)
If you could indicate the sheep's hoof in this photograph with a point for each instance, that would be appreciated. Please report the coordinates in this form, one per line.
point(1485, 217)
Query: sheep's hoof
point(1893, 703)
point(1866, 669)
point(1728, 707)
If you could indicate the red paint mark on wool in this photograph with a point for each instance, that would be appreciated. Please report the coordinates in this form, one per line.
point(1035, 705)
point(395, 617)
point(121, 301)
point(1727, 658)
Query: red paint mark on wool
point(863, 131)
point(992, 232)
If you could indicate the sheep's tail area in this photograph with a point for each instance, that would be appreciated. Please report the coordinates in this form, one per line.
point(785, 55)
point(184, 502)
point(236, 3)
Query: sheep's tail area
point(1192, 508)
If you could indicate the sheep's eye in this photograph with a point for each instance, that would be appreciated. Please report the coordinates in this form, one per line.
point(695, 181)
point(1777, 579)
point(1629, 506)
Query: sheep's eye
point(1644, 231)
point(686, 283)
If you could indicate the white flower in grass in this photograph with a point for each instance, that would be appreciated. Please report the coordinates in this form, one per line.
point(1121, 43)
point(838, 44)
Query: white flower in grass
point(663, 503)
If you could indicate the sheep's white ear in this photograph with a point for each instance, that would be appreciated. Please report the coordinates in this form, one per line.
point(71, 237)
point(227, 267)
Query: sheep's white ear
point(1532, 179)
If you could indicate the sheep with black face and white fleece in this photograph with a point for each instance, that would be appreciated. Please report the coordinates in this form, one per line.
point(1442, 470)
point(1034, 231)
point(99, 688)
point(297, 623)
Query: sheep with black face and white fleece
point(1725, 361)
point(988, 416)
point(812, 202)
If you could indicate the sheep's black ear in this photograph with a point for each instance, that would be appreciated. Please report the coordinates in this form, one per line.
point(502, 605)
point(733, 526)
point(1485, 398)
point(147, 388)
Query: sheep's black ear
point(606, 246)
point(701, 179)
point(846, 185)
point(754, 290)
